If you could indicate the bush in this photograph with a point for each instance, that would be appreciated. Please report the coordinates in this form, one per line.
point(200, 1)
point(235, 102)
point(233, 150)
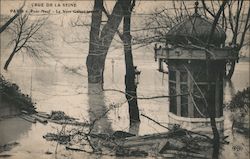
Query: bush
point(240, 102)
point(239, 106)
point(11, 94)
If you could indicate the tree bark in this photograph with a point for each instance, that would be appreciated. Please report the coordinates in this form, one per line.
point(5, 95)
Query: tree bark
point(212, 113)
point(231, 71)
point(94, 58)
point(99, 44)
point(9, 60)
point(19, 11)
point(131, 88)
point(209, 96)
point(234, 41)
point(8, 22)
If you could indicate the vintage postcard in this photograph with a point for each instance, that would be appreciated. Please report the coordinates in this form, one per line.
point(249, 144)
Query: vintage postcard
point(124, 79)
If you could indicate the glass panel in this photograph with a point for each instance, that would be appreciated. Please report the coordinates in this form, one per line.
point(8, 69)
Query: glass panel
point(200, 75)
point(172, 91)
point(173, 105)
point(183, 76)
point(184, 100)
point(172, 75)
point(199, 91)
point(172, 88)
point(200, 108)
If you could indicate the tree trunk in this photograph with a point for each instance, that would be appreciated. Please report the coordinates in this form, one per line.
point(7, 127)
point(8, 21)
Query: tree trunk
point(9, 60)
point(131, 87)
point(94, 57)
point(19, 11)
point(98, 110)
point(209, 73)
point(99, 44)
point(231, 71)
point(2, 28)
point(211, 110)
point(216, 138)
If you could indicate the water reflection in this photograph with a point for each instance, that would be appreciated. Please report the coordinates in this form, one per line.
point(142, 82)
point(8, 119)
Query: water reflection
point(229, 90)
point(98, 110)
point(134, 128)
point(8, 109)
point(13, 129)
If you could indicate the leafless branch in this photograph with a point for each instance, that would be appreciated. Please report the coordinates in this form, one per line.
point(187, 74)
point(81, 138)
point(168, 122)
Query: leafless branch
point(28, 36)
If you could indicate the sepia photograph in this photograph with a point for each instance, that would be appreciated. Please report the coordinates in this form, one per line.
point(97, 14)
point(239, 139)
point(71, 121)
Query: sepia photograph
point(118, 79)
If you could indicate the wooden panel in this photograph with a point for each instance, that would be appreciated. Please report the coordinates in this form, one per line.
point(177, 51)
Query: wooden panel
point(195, 54)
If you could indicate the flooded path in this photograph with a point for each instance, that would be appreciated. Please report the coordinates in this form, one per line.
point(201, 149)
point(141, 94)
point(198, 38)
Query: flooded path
point(56, 87)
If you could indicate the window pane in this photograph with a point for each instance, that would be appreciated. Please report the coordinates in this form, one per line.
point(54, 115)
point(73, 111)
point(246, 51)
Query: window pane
point(184, 100)
point(183, 76)
point(172, 91)
point(172, 75)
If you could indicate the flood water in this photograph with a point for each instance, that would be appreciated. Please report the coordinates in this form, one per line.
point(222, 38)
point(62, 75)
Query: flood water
point(61, 84)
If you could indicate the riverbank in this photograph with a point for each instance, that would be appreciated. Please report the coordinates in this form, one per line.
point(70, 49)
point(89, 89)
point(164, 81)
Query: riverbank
point(12, 100)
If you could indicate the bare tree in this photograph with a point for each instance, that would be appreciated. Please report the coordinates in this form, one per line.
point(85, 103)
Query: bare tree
point(28, 37)
point(239, 25)
point(100, 39)
point(19, 11)
point(158, 23)
point(234, 19)
point(209, 72)
point(131, 93)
